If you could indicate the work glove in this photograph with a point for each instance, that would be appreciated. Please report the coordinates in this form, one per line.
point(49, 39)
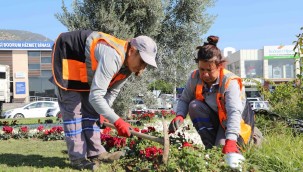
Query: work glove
point(101, 121)
point(230, 147)
point(175, 124)
point(123, 128)
point(234, 160)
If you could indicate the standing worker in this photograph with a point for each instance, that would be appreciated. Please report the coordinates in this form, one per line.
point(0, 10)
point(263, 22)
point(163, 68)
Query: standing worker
point(89, 68)
point(215, 100)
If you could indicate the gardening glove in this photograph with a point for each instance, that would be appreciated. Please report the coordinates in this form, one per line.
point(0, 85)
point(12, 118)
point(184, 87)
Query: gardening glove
point(123, 128)
point(234, 160)
point(175, 124)
point(101, 121)
point(230, 147)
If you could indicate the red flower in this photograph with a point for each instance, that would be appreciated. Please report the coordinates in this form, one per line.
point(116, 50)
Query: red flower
point(186, 144)
point(151, 129)
point(113, 141)
point(131, 144)
point(173, 112)
point(47, 132)
point(151, 152)
point(24, 129)
point(40, 128)
point(56, 129)
point(7, 129)
point(144, 131)
point(106, 130)
point(105, 137)
point(136, 129)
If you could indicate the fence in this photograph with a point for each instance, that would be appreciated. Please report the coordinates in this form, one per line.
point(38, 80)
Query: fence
point(38, 98)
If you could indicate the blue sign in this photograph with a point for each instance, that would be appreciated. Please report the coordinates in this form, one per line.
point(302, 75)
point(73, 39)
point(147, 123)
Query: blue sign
point(36, 45)
point(20, 87)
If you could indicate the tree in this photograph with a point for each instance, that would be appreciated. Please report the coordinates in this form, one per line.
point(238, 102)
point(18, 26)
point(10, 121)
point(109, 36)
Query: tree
point(176, 25)
point(299, 51)
point(185, 21)
point(162, 85)
point(124, 19)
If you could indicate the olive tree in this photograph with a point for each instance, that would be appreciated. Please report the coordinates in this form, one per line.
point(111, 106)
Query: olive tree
point(176, 25)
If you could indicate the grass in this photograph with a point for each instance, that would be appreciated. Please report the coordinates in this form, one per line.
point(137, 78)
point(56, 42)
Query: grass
point(281, 151)
point(27, 121)
point(36, 155)
point(33, 155)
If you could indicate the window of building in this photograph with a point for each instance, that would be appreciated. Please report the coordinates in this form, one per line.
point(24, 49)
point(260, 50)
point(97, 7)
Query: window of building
point(253, 68)
point(46, 73)
point(281, 68)
point(2, 75)
point(34, 66)
point(33, 53)
point(46, 60)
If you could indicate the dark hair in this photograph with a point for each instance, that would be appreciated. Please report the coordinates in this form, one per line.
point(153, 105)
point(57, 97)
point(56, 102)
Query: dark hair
point(209, 51)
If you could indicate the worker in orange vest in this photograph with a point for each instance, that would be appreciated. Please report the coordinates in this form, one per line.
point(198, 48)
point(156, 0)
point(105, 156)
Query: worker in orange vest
point(89, 68)
point(215, 100)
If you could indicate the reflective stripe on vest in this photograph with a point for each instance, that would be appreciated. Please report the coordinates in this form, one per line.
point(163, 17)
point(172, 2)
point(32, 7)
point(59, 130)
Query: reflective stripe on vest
point(225, 78)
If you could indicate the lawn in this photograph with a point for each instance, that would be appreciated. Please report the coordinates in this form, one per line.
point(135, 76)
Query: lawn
point(33, 155)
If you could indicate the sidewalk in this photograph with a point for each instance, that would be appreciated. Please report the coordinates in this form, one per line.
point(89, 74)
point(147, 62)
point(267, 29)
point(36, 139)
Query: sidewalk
point(7, 106)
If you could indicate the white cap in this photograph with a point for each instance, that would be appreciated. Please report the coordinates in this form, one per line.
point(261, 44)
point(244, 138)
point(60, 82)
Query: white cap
point(147, 49)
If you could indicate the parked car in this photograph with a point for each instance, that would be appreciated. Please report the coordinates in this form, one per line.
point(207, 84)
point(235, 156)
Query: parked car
point(257, 105)
point(36, 109)
point(254, 99)
point(139, 106)
point(53, 112)
point(165, 101)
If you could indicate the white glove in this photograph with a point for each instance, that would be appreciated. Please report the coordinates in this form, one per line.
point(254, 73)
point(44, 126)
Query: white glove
point(234, 160)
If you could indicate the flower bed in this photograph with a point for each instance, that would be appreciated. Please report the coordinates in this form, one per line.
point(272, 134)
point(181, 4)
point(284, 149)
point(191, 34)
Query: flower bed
point(54, 133)
point(186, 151)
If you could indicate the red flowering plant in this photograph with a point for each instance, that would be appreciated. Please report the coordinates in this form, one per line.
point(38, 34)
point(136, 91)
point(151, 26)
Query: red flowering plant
point(39, 132)
point(7, 133)
point(147, 116)
point(55, 133)
point(23, 132)
point(145, 155)
point(112, 143)
point(165, 113)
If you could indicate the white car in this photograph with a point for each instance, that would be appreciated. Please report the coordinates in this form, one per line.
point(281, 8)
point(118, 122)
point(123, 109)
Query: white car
point(254, 99)
point(53, 112)
point(257, 105)
point(36, 109)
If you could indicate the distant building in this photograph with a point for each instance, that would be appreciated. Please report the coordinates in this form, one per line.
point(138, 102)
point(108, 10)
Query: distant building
point(30, 66)
point(274, 63)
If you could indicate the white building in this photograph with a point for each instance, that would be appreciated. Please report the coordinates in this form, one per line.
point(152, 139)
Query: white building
point(274, 63)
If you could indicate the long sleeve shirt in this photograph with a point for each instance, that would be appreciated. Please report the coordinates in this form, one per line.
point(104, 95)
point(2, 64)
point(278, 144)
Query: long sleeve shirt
point(101, 97)
point(233, 104)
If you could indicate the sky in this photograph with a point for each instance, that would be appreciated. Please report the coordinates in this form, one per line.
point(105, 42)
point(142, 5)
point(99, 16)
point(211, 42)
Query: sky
point(241, 24)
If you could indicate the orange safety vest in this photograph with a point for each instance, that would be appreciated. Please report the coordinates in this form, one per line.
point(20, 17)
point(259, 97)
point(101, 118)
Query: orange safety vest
point(74, 62)
point(224, 78)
